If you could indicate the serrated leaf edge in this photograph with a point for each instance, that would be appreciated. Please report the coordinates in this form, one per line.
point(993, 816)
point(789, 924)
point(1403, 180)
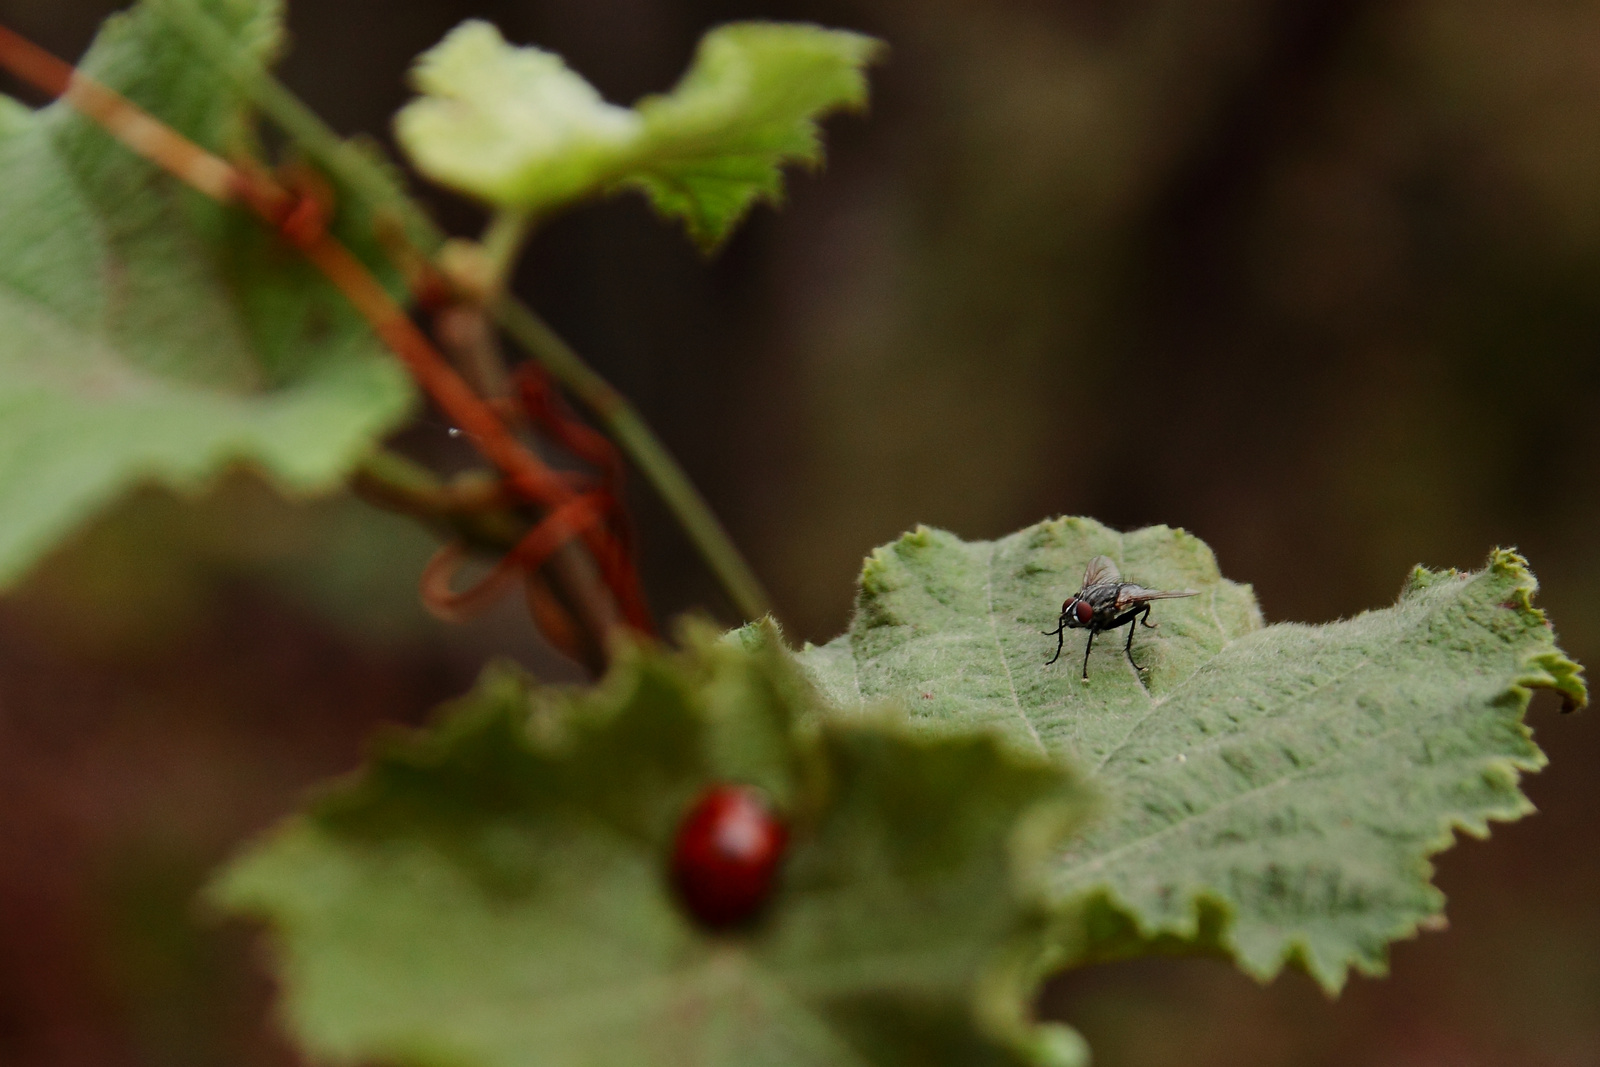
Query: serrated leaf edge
point(1547, 668)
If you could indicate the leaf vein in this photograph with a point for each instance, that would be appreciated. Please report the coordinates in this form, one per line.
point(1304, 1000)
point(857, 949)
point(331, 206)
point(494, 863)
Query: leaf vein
point(1100, 861)
point(994, 630)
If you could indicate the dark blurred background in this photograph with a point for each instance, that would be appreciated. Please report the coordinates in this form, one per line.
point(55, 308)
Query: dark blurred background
point(1319, 282)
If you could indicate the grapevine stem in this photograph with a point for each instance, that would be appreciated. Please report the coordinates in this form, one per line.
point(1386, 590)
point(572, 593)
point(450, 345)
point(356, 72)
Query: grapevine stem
point(645, 449)
point(133, 127)
point(368, 178)
point(465, 333)
point(478, 512)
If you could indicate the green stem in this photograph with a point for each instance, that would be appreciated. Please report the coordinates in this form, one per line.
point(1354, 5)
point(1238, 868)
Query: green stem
point(647, 452)
point(370, 180)
point(469, 511)
point(502, 242)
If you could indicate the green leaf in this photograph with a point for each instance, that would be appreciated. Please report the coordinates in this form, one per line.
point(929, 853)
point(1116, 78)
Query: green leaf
point(515, 127)
point(493, 891)
point(748, 104)
point(149, 334)
point(511, 125)
point(1271, 792)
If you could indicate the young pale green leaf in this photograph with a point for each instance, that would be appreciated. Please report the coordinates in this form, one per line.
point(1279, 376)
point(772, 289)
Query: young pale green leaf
point(515, 127)
point(1271, 792)
point(494, 892)
point(509, 125)
point(147, 333)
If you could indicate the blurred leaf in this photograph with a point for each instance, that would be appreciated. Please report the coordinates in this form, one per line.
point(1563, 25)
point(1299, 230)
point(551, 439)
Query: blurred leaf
point(147, 333)
point(516, 127)
point(494, 891)
point(511, 125)
point(1273, 793)
point(748, 104)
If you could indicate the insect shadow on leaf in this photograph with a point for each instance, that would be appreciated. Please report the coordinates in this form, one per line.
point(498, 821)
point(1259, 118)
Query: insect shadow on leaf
point(1105, 602)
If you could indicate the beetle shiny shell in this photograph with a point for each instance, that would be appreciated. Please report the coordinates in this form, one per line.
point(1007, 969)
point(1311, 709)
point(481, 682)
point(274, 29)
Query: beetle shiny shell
point(726, 855)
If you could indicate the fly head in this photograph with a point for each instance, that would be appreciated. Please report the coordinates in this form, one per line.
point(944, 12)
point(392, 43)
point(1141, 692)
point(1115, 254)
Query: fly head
point(1077, 612)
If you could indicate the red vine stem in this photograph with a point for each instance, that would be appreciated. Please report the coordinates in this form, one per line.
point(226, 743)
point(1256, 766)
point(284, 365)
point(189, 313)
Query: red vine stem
point(145, 135)
point(300, 221)
point(547, 535)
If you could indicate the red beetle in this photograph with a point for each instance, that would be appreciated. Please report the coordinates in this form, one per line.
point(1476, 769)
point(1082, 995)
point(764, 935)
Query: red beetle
point(726, 855)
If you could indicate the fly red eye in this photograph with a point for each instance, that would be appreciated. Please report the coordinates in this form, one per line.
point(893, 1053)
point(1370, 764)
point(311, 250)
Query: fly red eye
point(726, 855)
point(1083, 612)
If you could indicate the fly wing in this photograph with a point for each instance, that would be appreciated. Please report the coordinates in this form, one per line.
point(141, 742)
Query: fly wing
point(1101, 571)
point(1129, 595)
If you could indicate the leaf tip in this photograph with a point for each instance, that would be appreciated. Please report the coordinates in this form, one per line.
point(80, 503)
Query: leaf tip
point(1510, 562)
point(755, 636)
point(1547, 667)
point(1052, 1044)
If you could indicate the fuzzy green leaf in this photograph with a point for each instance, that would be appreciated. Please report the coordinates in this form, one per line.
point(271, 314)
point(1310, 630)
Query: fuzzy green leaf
point(148, 334)
point(515, 127)
point(1272, 792)
point(493, 892)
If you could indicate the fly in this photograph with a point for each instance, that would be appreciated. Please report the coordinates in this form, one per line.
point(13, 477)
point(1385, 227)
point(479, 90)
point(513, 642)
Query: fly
point(1104, 603)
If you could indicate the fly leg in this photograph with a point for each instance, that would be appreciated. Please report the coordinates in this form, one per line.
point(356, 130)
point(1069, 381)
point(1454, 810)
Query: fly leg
point(1060, 634)
point(1087, 645)
point(1131, 617)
